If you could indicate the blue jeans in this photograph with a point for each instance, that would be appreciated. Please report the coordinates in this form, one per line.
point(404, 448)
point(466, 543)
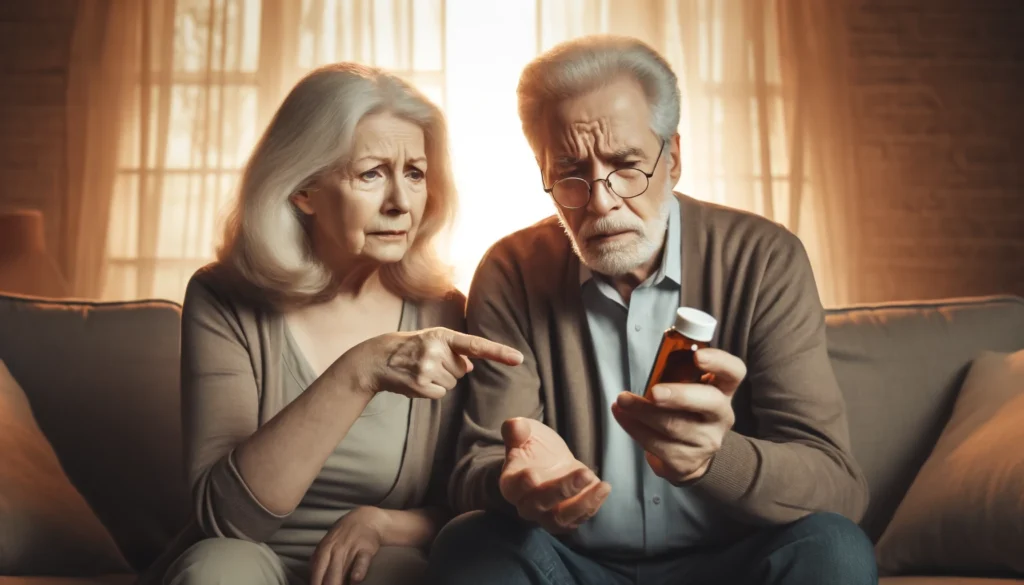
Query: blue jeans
point(486, 548)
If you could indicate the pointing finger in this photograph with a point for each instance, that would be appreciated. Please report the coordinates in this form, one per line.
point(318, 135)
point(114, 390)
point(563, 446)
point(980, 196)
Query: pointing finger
point(480, 348)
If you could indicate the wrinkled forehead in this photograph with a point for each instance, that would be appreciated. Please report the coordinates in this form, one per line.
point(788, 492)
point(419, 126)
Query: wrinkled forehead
point(386, 136)
point(608, 120)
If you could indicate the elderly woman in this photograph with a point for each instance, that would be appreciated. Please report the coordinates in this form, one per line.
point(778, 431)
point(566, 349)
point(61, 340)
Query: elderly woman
point(321, 351)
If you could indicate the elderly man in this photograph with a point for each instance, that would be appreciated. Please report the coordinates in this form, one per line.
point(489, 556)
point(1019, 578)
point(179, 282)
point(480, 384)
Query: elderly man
point(755, 482)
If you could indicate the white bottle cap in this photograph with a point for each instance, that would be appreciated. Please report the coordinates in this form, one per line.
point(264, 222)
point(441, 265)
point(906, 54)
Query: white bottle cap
point(695, 324)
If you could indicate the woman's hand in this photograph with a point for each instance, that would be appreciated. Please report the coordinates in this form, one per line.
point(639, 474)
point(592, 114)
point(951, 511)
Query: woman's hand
point(425, 363)
point(344, 554)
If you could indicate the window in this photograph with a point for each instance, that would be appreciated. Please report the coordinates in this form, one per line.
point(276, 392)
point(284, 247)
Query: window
point(726, 55)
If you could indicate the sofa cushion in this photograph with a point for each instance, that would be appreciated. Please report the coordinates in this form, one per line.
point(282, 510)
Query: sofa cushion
point(102, 379)
point(931, 581)
point(900, 367)
point(42, 516)
point(114, 579)
point(964, 513)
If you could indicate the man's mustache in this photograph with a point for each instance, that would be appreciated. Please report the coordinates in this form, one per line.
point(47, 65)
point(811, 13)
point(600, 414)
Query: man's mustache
point(607, 226)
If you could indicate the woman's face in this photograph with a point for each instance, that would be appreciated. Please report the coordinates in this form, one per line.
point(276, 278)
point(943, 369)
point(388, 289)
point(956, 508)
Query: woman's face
point(370, 208)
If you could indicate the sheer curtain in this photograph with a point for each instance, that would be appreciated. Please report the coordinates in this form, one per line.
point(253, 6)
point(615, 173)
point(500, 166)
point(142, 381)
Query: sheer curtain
point(100, 80)
point(760, 131)
point(762, 89)
point(211, 75)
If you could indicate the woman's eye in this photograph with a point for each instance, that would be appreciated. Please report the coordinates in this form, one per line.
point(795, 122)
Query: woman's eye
point(371, 175)
point(416, 174)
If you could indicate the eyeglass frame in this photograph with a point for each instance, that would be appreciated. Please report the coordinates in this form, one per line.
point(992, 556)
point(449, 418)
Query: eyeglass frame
point(590, 184)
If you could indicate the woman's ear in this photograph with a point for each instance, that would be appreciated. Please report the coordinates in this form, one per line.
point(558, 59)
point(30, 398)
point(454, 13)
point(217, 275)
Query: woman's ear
point(301, 200)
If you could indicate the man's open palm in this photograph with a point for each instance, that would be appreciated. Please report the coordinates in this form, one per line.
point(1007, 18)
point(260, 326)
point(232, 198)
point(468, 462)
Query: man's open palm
point(544, 481)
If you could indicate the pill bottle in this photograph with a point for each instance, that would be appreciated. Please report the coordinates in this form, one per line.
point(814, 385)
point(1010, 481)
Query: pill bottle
point(693, 329)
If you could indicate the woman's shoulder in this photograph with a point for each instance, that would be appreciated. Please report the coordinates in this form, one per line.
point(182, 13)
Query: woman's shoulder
point(215, 286)
point(207, 276)
point(209, 284)
point(447, 311)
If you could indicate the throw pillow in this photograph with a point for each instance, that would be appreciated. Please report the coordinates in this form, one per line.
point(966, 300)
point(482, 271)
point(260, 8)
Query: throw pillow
point(46, 526)
point(964, 512)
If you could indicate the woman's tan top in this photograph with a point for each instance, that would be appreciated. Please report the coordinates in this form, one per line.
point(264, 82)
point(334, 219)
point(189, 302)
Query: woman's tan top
point(239, 369)
point(364, 466)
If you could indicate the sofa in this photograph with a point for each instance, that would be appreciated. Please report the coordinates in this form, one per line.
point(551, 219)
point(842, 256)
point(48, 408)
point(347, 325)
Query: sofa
point(102, 382)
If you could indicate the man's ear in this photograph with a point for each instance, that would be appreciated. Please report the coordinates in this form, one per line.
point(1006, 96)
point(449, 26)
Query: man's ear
point(300, 199)
point(539, 157)
point(675, 157)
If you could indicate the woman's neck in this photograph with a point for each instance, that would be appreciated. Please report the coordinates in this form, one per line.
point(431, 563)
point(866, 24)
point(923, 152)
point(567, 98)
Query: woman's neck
point(353, 277)
point(355, 284)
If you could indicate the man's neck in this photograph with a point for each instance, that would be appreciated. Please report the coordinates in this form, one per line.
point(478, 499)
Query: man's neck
point(625, 284)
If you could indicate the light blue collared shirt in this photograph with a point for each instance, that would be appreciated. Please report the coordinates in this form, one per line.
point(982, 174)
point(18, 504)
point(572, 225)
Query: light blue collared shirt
point(644, 515)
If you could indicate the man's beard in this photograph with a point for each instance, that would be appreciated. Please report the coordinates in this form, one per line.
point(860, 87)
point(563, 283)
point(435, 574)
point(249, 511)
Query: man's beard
point(635, 249)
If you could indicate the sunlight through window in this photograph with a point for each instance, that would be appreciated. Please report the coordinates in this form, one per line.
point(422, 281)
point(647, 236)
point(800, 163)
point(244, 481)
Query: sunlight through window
point(499, 185)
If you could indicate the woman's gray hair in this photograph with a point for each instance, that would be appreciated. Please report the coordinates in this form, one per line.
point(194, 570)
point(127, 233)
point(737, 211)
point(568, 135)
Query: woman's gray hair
point(266, 244)
point(581, 65)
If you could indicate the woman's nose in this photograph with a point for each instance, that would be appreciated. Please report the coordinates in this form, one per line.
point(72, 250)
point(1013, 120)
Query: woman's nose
point(397, 202)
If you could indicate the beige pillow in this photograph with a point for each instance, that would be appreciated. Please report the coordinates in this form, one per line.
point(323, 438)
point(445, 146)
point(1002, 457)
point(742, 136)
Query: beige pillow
point(964, 513)
point(46, 526)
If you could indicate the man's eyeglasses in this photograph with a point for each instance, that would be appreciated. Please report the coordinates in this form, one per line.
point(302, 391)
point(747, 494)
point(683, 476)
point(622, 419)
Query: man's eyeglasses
point(574, 192)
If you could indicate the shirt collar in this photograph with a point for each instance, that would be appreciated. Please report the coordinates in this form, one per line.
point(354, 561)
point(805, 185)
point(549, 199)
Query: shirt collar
point(670, 256)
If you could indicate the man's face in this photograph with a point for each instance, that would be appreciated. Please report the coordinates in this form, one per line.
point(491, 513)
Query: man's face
point(589, 137)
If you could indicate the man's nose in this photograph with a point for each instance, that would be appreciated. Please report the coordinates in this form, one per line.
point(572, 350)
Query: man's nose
point(602, 199)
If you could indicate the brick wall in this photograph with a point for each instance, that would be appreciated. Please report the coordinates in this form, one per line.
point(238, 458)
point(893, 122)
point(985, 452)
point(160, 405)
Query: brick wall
point(35, 40)
point(939, 109)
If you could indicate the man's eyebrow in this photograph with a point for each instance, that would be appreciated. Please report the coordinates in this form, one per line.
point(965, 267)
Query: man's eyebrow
point(627, 152)
point(571, 161)
point(567, 161)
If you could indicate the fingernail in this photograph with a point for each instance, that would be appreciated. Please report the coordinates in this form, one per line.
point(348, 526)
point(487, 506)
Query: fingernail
point(659, 393)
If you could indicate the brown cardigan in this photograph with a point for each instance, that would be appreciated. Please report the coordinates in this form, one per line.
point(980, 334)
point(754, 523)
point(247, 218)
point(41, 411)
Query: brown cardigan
point(788, 453)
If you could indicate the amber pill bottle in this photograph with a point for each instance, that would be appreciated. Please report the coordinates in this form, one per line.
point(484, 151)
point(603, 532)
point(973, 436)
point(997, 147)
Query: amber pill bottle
point(693, 329)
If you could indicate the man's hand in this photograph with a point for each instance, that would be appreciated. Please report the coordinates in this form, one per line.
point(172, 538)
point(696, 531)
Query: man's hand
point(544, 481)
point(682, 426)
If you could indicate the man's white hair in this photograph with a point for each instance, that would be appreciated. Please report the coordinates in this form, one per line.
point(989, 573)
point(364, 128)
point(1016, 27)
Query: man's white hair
point(579, 66)
point(266, 244)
